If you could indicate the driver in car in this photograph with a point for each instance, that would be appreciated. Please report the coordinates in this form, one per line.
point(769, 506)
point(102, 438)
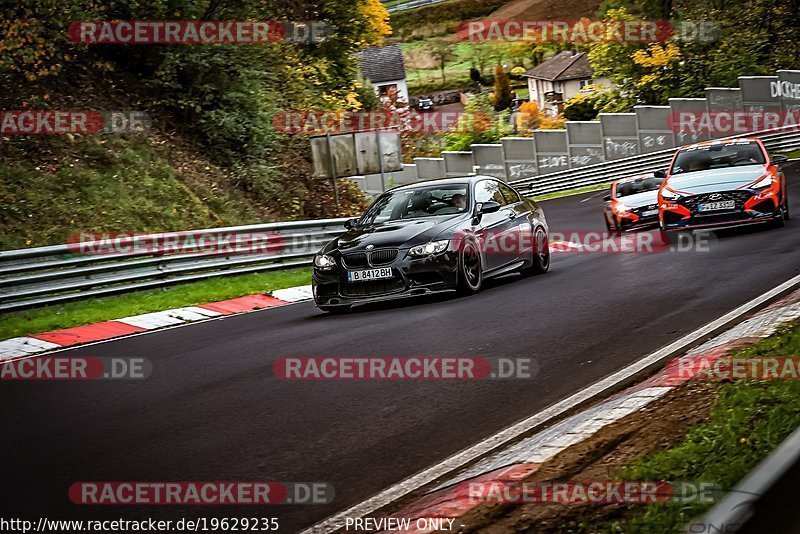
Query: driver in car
point(419, 207)
point(459, 201)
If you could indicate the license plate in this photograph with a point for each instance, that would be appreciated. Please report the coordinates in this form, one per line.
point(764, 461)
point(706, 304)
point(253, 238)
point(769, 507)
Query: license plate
point(715, 206)
point(649, 213)
point(369, 274)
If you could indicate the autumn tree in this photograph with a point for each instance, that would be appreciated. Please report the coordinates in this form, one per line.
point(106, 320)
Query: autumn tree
point(502, 89)
point(377, 19)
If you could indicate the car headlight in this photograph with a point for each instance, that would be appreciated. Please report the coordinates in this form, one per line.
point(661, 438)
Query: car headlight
point(434, 247)
point(620, 208)
point(669, 194)
point(765, 181)
point(324, 262)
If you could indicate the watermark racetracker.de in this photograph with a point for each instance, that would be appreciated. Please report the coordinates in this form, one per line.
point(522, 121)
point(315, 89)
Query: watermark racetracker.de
point(403, 368)
point(207, 493)
point(76, 368)
point(76, 122)
point(587, 31)
point(197, 32)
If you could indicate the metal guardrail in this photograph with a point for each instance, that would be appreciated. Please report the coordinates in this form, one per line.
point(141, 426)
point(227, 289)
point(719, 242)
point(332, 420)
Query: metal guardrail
point(786, 138)
point(46, 275)
point(763, 501)
point(411, 5)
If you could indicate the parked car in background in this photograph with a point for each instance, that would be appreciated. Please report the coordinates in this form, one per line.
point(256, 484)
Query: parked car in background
point(425, 104)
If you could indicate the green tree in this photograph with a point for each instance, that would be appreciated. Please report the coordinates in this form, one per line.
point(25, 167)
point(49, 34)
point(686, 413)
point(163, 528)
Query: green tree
point(442, 53)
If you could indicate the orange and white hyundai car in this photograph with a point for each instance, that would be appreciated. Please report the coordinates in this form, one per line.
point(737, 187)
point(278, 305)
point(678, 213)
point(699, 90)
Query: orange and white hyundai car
point(633, 203)
point(723, 183)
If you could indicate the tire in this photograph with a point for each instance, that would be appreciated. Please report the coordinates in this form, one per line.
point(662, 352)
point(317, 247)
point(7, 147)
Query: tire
point(612, 230)
point(786, 214)
point(665, 237)
point(470, 269)
point(541, 254)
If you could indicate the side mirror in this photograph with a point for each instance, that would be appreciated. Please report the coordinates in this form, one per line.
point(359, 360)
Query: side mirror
point(350, 223)
point(489, 206)
point(660, 174)
point(607, 198)
point(779, 160)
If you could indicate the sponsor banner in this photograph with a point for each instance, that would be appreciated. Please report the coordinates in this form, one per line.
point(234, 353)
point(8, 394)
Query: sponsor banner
point(731, 368)
point(316, 122)
point(592, 492)
point(200, 493)
point(403, 368)
point(586, 31)
point(206, 242)
point(196, 32)
point(76, 368)
point(61, 122)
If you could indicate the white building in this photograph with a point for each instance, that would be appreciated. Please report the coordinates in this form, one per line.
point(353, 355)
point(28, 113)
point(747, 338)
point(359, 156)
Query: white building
point(555, 81)
point(384, 68)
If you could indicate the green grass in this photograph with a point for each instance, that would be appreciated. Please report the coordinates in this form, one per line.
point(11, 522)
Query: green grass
point(570, 192)
point(113, 184)
point(456, 70)
point(94, 310)
point(749, 420)
point(794, 154)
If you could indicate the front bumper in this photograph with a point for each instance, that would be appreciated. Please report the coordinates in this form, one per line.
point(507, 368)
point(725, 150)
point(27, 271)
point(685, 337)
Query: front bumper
point(411, 277)
point(684, 214)
point(635, 218)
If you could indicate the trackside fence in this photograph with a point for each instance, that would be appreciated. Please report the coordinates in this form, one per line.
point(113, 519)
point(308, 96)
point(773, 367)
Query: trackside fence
point(46, 275)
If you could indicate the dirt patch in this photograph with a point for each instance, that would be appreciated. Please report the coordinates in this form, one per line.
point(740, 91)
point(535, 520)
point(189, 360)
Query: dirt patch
point(546, 9)
point(656, 427)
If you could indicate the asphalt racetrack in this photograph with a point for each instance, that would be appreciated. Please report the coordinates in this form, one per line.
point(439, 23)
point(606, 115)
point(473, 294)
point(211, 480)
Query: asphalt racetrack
point(213, 411)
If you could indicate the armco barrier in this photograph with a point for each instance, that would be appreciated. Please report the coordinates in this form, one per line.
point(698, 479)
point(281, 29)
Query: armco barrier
point(786, 138)
point(44, 275)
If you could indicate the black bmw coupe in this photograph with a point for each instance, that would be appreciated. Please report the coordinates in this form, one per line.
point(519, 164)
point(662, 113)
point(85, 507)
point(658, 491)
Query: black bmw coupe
point(439, 235)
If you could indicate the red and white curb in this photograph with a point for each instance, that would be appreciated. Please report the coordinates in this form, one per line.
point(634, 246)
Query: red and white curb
point(453, 498)
point(23, 347)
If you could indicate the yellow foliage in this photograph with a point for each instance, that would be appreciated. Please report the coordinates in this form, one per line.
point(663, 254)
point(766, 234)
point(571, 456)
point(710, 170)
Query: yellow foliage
point(378, 18)
point(529, 118)
point(657, 55)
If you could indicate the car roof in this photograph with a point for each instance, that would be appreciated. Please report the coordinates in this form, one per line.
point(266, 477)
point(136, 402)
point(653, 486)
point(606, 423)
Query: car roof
point(471, 179)
point(720, 141)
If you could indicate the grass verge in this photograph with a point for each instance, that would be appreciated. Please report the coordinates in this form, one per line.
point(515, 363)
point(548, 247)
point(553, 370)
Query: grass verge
point(750, 419)
point(115, 307)
point(570, 192)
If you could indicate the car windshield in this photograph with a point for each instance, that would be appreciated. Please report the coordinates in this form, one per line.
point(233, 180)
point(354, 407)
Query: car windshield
point(718, 156)
point(418, 202)
point(638, 185)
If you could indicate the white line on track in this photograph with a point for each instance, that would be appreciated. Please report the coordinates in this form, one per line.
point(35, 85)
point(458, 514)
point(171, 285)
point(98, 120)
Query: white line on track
point(488, 445)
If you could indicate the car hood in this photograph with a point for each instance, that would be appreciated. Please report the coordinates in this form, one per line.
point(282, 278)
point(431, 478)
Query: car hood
point(640, 199)
point(716, 179)
point(393, 234)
